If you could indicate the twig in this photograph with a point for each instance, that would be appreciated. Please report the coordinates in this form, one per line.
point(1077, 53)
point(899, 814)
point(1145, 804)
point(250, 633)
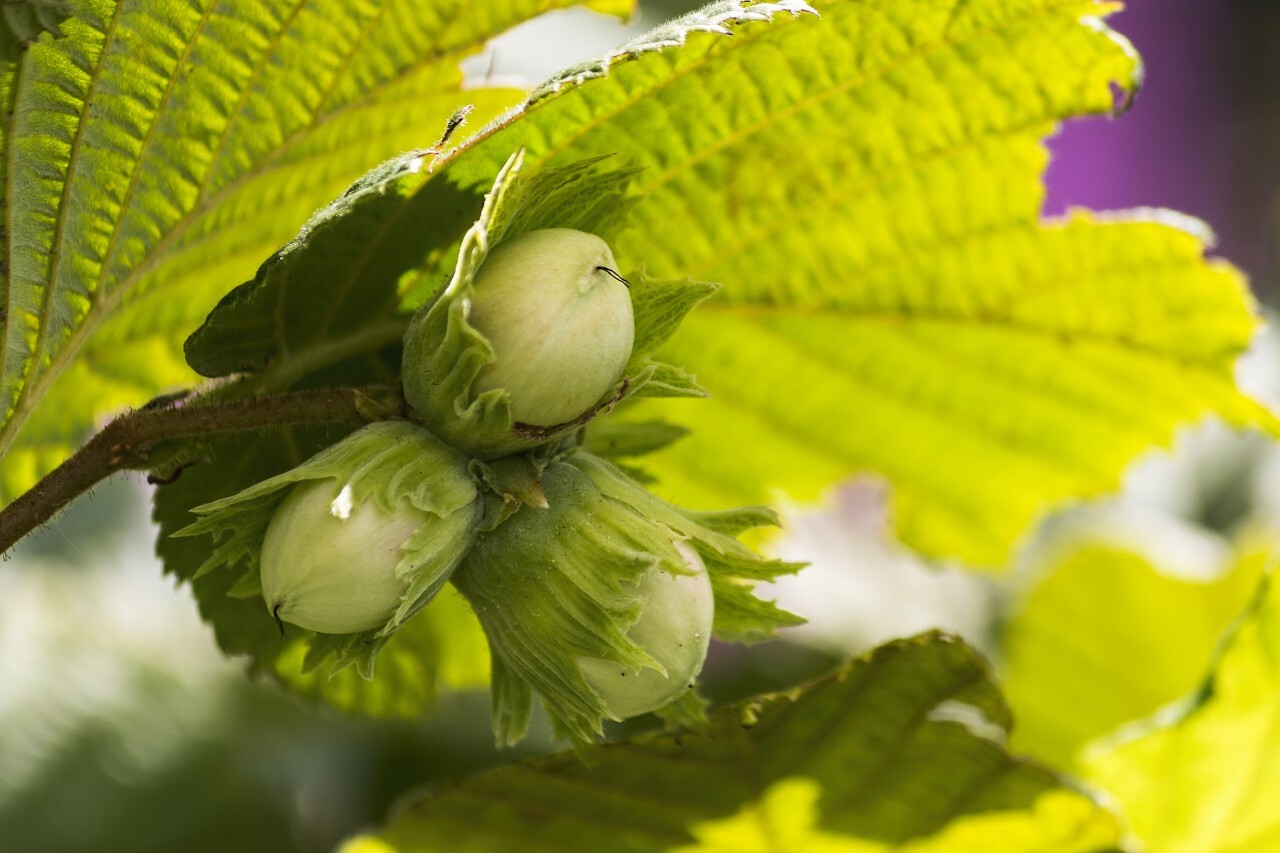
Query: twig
point(128, 441)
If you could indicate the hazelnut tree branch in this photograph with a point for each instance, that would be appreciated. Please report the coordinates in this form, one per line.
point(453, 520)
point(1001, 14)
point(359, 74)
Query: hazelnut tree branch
point(129, 441)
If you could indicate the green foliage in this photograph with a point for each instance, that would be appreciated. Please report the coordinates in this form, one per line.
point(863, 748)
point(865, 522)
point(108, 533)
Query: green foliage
point(440, 649)
point(892, 301)
point(891, 749)
point(1148, 641)
point(1205, 776)
point(612, 438)
point(323, 297)
point(867, 187)
point(27, 19)
point(160, 150)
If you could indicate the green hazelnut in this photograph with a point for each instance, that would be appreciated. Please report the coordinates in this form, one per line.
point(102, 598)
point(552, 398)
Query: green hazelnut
point(674, 629)
point(331, 566)
point(559, 320)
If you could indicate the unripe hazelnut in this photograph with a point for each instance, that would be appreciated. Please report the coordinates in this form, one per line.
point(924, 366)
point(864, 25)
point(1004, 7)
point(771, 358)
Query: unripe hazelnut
point(674, 629)
point(329, 565)
point(559, 319)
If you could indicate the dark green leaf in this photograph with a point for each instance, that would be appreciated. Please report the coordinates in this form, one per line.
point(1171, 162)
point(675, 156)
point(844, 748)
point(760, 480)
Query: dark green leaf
point(899, 746)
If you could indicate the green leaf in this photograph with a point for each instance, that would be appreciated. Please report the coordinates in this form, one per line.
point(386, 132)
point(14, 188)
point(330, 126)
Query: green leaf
point(660, 307)
point(612, 438)
point(1072, 648)
point(1205, 776)
point(439, 648)
point(658, 379)
point(323, 296)
point(896, 747)
point(867, 186)
point(27, 19)
point(158, 151)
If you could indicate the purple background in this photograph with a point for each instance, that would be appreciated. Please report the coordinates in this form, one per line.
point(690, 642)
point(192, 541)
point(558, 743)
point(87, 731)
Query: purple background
point(1203, 136)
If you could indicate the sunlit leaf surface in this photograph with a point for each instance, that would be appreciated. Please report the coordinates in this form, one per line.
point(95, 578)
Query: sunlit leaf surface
point(1106, 638)
point(867, 186)
point(1205, 777)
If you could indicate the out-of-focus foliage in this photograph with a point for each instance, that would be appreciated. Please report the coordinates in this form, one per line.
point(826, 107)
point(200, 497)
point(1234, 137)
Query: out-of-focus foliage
point(896, 747)
point(1205, 777)
point(1106, 638)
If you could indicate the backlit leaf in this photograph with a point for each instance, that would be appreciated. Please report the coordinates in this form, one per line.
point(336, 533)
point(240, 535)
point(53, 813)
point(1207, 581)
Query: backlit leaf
point(1205, 777)
point(1105, 638)
point(867, 187)
point(158, 152)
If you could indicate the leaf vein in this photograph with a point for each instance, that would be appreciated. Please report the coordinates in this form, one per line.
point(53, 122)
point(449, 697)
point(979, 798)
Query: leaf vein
point(126, 201)
point(33, 365)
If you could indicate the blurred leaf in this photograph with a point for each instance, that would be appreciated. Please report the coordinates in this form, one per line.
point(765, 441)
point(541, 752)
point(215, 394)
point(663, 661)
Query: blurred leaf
point(27, 19)
point(898, 746)
point(612, 438)
point(1205, 777)
point(442, 647)
point(1105, 638)
point(157, 151)
point(867, 186)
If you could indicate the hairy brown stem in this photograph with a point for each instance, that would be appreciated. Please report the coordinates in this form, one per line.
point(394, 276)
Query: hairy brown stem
point(128, 441)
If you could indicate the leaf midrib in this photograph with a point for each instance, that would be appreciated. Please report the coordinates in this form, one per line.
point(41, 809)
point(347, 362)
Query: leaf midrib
point(6, 245)
point(993, 318)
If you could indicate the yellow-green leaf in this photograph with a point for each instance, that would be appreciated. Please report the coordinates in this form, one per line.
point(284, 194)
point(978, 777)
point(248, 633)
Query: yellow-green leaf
point(1105, 638)
point(867, 186)
point(1205, 778)
point(157, 152)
